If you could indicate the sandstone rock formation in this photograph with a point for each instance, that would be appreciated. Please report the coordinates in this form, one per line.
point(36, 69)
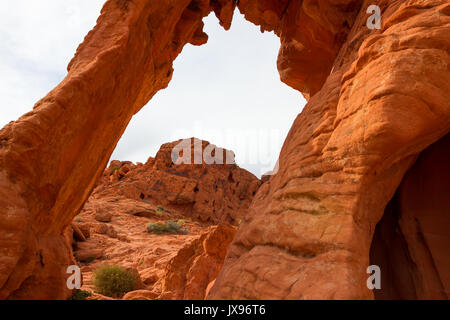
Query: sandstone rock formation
point(111, 227)
point(385, 99)
point(197, 264)
point(377, 99)
point(208, 192)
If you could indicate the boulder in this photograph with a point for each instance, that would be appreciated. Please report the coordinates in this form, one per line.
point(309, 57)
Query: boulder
point(88, 254)
point(210, 193)
point(140, 295)
point(193, 268)
point(103, 216)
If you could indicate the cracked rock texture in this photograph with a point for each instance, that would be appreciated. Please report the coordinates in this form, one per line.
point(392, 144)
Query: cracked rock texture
point(206, 192)
point(52, 157)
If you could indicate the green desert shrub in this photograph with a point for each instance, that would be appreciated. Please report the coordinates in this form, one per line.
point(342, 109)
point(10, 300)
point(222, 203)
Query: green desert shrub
point(159, 210)
point(114, 281)
point(172, 227)
point(81, 295)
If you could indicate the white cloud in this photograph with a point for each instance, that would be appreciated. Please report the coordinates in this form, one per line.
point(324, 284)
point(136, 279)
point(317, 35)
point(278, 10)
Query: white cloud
point(228, 85)
point(38, 40)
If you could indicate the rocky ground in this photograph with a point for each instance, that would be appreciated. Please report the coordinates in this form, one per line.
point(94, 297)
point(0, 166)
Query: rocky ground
point(112, 227)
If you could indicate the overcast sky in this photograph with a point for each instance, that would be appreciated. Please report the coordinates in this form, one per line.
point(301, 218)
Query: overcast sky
point(227, 92)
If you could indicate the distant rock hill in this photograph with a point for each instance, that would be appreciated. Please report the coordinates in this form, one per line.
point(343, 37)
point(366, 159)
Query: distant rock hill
point(210, 200)
point(207, 192)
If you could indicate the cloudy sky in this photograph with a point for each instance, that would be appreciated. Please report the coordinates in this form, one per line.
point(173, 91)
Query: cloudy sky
point(227, 92)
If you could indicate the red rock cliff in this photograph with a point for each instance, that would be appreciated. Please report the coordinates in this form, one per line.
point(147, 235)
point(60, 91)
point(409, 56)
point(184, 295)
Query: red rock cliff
point(385, 99)
point(378, 98)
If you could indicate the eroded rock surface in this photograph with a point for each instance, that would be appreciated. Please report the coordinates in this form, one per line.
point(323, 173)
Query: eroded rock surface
point(52, 157)
point(112, 226)
point(170, 266)
point(197, 264)
point(207, 192)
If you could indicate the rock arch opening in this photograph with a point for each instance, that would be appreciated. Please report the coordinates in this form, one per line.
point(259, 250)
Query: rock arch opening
point(357, 120)
point(227, 92)
point(412, 240)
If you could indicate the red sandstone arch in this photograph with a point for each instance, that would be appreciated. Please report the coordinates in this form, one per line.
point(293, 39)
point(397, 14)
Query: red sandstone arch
point(412, 239)
point(378, 98)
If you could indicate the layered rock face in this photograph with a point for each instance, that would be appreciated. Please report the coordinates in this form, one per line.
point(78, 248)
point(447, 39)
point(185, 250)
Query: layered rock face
point(385, 99)
point(377, 99)
point(207, 192)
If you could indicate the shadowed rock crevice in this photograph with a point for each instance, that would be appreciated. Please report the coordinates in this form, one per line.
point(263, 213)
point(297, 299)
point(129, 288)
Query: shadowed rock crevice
point(411, 241)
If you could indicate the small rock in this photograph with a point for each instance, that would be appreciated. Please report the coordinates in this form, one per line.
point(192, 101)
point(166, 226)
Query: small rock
point(150, 275)
point(87, 255)
point(101, 228)
point(85, 228)
point(140, 295)
point(123, 238)
point(111, 232)
point(103, 216)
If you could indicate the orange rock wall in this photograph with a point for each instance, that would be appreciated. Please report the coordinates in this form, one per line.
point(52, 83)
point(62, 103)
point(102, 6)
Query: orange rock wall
point(51, 158)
